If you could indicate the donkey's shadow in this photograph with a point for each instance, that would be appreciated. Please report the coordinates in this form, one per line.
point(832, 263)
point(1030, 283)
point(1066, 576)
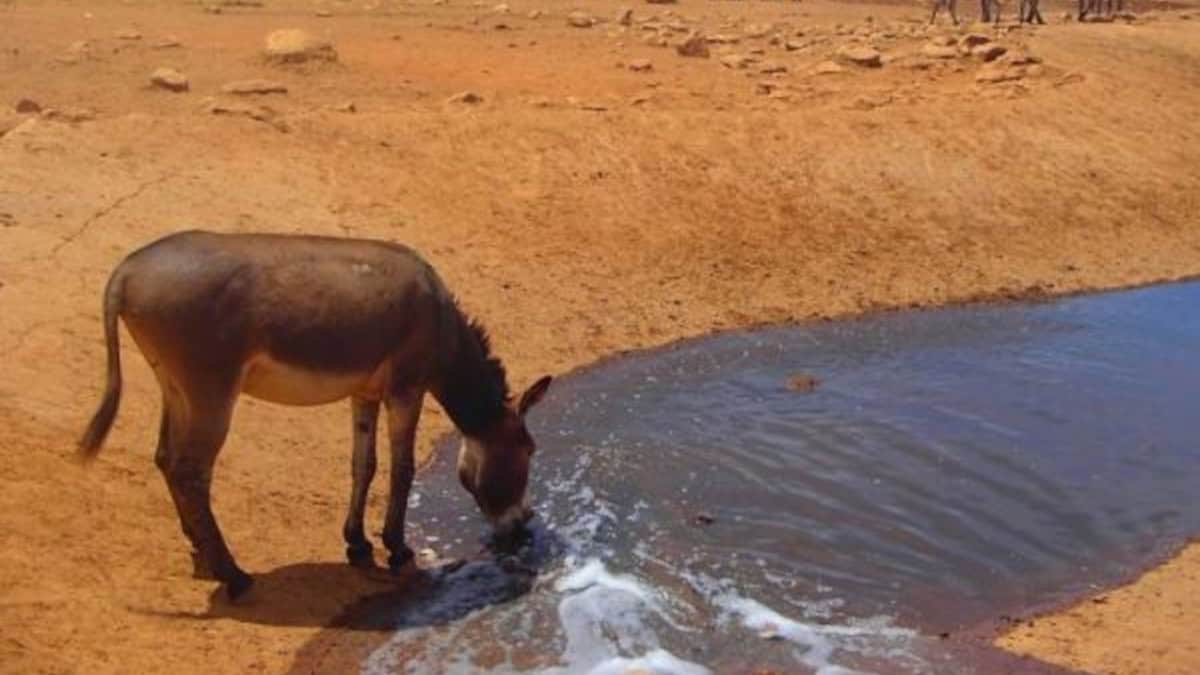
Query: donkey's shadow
point(336, 595)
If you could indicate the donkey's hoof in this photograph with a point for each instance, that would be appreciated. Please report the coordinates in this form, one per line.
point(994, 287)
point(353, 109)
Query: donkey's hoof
point(361, 556)
point(399, 560)
point(200, 569)
point(236, 588)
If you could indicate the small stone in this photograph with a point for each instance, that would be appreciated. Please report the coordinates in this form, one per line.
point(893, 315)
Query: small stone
point(988, 52)
point(254, 112)
point(249, 87)
point(466, 98)
point(169, 79)
point(641, 65)
point(940, 51)
point(344, 107)
point(724, 39)
point(580, 20)
point(737, 61)
point(704, 518)
point(828, 68)
point(27, 106)
point(128, 34)
point(794, 45)
point(167, 42)
point(212, 9)
point(322, 13)
point(693, 47)
point(943, 41)
point(999, 72)
point(292, 45)
point(501, 8)
point(1021, 57)
point(974, 40)
point(535, 13)
point(803, 383)
point(772, 68)
point(625, 16)
point(660, 2)
point(69, 114)
point(865, 57)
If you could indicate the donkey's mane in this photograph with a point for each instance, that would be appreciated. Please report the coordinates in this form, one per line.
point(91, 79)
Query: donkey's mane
point(474, 386)
point(493, 367)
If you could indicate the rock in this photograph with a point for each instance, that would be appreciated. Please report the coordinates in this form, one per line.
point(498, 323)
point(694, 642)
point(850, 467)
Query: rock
point(641, 65)
point(988, 52)
point(828, 68)
point(794, 45)
point(344, 107)
point(724, 39)
point(940, 51)
point(27, 106)
point(69, 114)
point(128, 34)
point(802, 383)
point(998, 71)
point(254, 112)
point(76, 52)
point(466, 98)
point(765, 88)
point(943, 41)
point(974, 40)
point(695, 47)
point(1021, 57)
point(865, 57)
point(167, 42)
point(501, 8)
point(736, 61)
point(249, 87)
point(625, 16)
point(772, 68)
point(655, 41)
point(580, 20)
point(292, 45)
point(704, 518)
point(169, 79)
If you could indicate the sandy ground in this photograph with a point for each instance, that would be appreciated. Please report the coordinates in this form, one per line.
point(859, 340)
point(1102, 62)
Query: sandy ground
point(581, 208)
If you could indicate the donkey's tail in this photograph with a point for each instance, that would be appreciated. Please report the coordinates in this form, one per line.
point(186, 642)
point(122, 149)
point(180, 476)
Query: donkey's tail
point(102, 421)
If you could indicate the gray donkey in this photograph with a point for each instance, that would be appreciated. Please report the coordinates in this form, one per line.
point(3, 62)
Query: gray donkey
point(305, 320)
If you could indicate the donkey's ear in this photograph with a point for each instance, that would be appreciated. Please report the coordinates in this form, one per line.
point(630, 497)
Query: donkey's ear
point(533, 394)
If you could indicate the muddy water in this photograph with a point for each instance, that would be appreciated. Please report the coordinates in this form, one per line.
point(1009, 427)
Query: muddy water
point(950, 468)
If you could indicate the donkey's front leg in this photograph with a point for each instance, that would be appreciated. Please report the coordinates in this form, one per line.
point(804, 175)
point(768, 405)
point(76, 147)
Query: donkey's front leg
point(358, 548)
point(404, 411)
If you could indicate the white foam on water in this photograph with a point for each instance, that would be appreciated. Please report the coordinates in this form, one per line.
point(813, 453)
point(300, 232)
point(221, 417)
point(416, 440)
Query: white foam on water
point(609, 623)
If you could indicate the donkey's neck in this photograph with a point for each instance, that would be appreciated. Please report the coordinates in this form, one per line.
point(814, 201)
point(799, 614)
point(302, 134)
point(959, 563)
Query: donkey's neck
point(471, 386)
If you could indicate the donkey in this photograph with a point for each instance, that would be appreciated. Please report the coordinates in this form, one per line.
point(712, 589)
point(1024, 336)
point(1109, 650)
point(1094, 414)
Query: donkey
point(307, 320)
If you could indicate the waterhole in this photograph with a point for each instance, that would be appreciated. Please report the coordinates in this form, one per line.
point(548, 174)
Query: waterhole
point(836, 497)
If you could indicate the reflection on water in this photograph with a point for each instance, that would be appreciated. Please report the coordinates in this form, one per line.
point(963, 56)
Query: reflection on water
point(952, 466)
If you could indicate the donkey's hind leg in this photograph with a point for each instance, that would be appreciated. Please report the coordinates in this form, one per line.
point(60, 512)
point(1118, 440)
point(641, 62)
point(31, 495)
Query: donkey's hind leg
point(358, 548)
point(195, 440)
point(162, 459)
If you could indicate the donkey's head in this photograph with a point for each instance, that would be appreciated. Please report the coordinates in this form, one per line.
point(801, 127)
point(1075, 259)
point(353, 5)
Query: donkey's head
point(494, 464)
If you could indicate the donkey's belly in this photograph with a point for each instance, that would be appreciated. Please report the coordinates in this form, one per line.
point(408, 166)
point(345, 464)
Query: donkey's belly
point(290, 384)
